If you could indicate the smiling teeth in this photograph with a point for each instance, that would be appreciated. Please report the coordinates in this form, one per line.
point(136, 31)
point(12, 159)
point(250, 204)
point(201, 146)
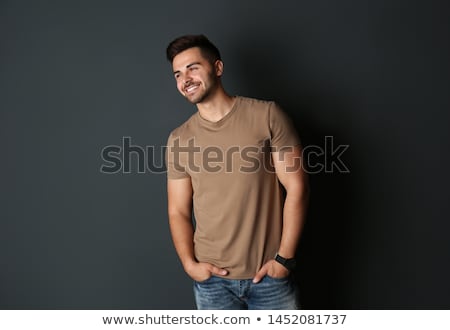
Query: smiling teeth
point(191, 88)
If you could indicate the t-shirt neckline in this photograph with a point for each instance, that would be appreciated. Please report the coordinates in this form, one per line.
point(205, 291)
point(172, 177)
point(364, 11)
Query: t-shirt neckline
point(224, 118)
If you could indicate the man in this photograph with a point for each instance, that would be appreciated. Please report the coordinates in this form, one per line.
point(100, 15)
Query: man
point(237, 163)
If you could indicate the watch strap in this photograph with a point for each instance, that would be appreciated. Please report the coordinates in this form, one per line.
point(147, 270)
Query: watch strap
point(289, 263)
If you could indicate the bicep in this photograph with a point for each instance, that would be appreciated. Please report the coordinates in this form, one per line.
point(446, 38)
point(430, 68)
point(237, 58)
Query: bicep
point(289, 168)
point(179, 194)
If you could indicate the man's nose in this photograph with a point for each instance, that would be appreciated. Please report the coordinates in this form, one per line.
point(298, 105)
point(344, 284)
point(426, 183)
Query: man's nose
point(187, 79)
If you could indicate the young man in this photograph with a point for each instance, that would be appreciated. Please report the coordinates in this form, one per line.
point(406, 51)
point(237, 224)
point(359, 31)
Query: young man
point(237, 162)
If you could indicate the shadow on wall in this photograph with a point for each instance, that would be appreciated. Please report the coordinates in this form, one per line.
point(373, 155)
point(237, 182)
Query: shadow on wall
point(326, 254)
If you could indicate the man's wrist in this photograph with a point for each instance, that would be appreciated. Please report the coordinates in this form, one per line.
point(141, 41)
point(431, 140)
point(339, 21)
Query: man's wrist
point(289, 263)
point(188, 264)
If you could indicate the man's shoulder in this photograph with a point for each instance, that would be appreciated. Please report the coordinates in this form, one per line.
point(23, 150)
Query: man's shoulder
point(255, 103)
point(185, 129)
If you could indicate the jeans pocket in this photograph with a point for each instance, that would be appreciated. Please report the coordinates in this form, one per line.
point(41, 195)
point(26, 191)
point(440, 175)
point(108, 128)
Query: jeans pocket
point(205, 281)
point(279, 279)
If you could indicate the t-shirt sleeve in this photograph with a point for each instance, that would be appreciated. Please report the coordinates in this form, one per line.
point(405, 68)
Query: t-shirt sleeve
point(175, 168)
point(283, 132)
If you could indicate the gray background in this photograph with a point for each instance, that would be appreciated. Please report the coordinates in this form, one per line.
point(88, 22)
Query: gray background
point(76, 76)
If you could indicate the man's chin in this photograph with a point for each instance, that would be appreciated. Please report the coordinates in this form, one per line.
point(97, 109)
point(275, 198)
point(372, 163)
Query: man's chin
point(195, 100)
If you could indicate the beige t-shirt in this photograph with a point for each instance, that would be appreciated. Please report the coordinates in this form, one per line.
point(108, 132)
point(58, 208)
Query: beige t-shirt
point(237, 198)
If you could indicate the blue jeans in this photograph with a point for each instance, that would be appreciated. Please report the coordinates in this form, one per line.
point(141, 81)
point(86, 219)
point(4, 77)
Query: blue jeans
point(270, 293)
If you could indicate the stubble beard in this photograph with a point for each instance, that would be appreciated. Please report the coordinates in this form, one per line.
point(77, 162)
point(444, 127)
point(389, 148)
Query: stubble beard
point(203, 96)
point(199, 98)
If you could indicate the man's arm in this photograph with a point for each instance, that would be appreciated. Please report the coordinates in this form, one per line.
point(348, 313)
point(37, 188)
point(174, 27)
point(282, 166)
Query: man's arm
point(290, 172)
point(182, 230)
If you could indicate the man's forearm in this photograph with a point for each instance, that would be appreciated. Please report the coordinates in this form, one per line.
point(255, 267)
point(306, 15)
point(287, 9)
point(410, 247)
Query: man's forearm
point(294, 214)
point(182, 231)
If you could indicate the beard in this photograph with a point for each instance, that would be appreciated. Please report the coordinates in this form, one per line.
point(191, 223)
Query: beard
point(199, 97)
point(203, 95)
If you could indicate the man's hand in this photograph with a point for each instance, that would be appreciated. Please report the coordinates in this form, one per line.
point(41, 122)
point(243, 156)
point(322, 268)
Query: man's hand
point(201, 271)
point(273, 269)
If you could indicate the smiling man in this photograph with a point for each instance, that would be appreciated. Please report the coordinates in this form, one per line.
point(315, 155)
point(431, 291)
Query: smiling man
point(236, 163)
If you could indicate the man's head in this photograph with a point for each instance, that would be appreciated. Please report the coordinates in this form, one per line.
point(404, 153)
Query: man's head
point(209, 51)
point(197, 67)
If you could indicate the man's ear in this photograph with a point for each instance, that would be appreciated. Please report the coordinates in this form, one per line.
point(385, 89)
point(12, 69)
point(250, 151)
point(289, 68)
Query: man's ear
point(218, 67)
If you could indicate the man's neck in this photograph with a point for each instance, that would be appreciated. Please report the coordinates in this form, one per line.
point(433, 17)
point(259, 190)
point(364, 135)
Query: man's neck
point(216, 107)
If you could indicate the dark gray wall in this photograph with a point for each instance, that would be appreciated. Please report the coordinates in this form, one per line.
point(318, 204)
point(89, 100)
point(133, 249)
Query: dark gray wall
point(77, 76)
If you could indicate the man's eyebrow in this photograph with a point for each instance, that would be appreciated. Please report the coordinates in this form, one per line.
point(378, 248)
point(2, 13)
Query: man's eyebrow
point(187, 66)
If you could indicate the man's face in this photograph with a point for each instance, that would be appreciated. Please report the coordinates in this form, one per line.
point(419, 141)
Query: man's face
point(195, 76)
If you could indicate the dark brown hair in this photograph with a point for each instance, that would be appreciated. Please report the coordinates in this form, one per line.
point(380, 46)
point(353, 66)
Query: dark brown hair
point(209, 51)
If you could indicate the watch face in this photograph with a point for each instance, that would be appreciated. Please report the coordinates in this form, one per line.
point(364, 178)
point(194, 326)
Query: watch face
point(291, 263)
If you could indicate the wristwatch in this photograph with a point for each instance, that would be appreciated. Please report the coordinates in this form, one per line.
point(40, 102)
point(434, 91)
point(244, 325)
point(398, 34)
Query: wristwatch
point(288, 263)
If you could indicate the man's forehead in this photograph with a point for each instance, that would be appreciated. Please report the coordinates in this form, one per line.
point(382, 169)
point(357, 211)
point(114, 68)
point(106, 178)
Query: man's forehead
point(187, 57)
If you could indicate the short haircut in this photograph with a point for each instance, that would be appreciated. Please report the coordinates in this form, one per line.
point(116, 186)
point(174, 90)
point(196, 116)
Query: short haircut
point(180, 44)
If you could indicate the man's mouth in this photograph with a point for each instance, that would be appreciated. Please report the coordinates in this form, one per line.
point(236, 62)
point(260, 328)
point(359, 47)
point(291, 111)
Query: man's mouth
point(191, 89)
